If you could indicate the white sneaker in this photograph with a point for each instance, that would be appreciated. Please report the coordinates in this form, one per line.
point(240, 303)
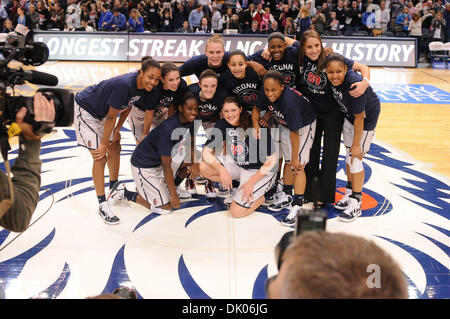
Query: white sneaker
point(343, 203)
point(291, 219)
point(352, 211)
point(117, 193)
point(209, 190)
point(107, 215)
point(229, 199)
point(183, 194)
point(160, 211)
point(282, 201)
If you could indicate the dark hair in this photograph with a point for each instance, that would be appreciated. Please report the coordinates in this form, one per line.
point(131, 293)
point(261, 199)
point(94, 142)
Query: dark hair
point(237, 52)
point(245, 120)
point(322, 57)
point(168, 67)
point(335, 57)
point(184, 98)
point(208, 73)
point(125, 293)
point(275, 75)
point(149, 62)
point(275, 35)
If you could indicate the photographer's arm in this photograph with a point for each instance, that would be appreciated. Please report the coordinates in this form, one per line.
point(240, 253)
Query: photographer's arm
point(26, 169)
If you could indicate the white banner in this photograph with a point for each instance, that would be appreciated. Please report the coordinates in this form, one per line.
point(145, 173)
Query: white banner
point(113, 46)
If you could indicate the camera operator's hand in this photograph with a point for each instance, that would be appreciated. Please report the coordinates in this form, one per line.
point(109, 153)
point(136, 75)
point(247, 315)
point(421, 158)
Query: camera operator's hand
point(44, 111)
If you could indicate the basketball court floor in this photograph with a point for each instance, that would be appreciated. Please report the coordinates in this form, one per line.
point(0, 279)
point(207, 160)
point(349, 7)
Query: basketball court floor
point(199, 251)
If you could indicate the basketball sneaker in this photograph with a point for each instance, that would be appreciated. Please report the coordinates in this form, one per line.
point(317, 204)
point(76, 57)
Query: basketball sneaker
point(190, 186)
point(117, 192)
point(291, 219)
point(209, 190)
point(107, 215)
point(278, 187)
point(222, 190)
point(282, 201)
point(343, 203)
point(352, 211)
point(160, 211)
point(201, 180)
point(183, 194)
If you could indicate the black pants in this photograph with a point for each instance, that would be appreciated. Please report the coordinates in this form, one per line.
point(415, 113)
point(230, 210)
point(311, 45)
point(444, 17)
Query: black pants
point(329, 125)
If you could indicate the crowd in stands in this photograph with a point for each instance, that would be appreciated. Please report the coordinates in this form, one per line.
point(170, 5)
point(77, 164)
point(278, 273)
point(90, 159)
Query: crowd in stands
point(426, 20)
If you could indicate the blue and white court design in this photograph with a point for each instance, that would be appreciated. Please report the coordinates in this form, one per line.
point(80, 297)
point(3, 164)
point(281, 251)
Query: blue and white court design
point(199, 251)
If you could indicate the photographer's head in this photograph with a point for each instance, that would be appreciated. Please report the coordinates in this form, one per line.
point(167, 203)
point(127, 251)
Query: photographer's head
point(323, 265)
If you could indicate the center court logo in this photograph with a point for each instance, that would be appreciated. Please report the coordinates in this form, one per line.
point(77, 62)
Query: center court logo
point(179, 255)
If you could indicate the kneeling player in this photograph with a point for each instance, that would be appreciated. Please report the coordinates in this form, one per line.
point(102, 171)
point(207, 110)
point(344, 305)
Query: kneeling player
point(249, 160)
point(159, 162)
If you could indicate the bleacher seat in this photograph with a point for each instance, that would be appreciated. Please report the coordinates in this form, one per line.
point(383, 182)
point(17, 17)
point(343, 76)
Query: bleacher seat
point(387, 34)
point(438, 55)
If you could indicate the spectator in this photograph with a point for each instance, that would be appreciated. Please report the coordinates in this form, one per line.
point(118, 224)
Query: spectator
point(153, 17)
point(122, 7)
point(7, 26)
point(274, 27)
point(341, 15)
point(361, 6)
point(118, 21)
point(368, 21)
point(179, 15)
point(143, 13)
point(402, 20)
point(93, 15)
point(12, 9)
point(195, 17)
point(446, 17)
point(382, 18)
point(58, 17)
point(282, 18)
point(23, 19)
point(204, 27)
point(234, 23)
point(331, 6)
point(44, 15)
point(415, 31)
point(185, 28)
point(254, 29)
point(266, 19)
point(85, 26)
point(135, 22)
point(3, 14)
point(303, 22)
point(246, 17)
point(216, 20)
point(322, 265)
point(354, 15)
point(257, 14)
point(34, 17)
point(294, 10)
point(372, 6)
point(438, 27)
point(412, 9)
point(105, 16)
point(311, 9)
point(333, 24)
point(73, 20)
point(166, 21)
point(227, 19)
point(319, 21)
point(289, 29)
point(326, 10)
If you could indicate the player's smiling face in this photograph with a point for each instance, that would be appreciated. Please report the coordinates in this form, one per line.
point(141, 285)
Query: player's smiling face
point(189, 110)
point(231, 113)
point(336, 71)
point(273, 89)
point(313, 48)
point(214, 53)
point(171, 80)
point(148, 79)
point(208, 86)
point(276, 48)
point(237, 65)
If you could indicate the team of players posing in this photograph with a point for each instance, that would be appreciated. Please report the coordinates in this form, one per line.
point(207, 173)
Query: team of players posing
point(255, 118)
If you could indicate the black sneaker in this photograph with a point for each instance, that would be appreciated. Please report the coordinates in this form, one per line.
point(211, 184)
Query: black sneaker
point(107, 215)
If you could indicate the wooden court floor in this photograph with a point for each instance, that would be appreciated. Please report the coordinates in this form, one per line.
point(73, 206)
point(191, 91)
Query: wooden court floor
point(420, 130)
